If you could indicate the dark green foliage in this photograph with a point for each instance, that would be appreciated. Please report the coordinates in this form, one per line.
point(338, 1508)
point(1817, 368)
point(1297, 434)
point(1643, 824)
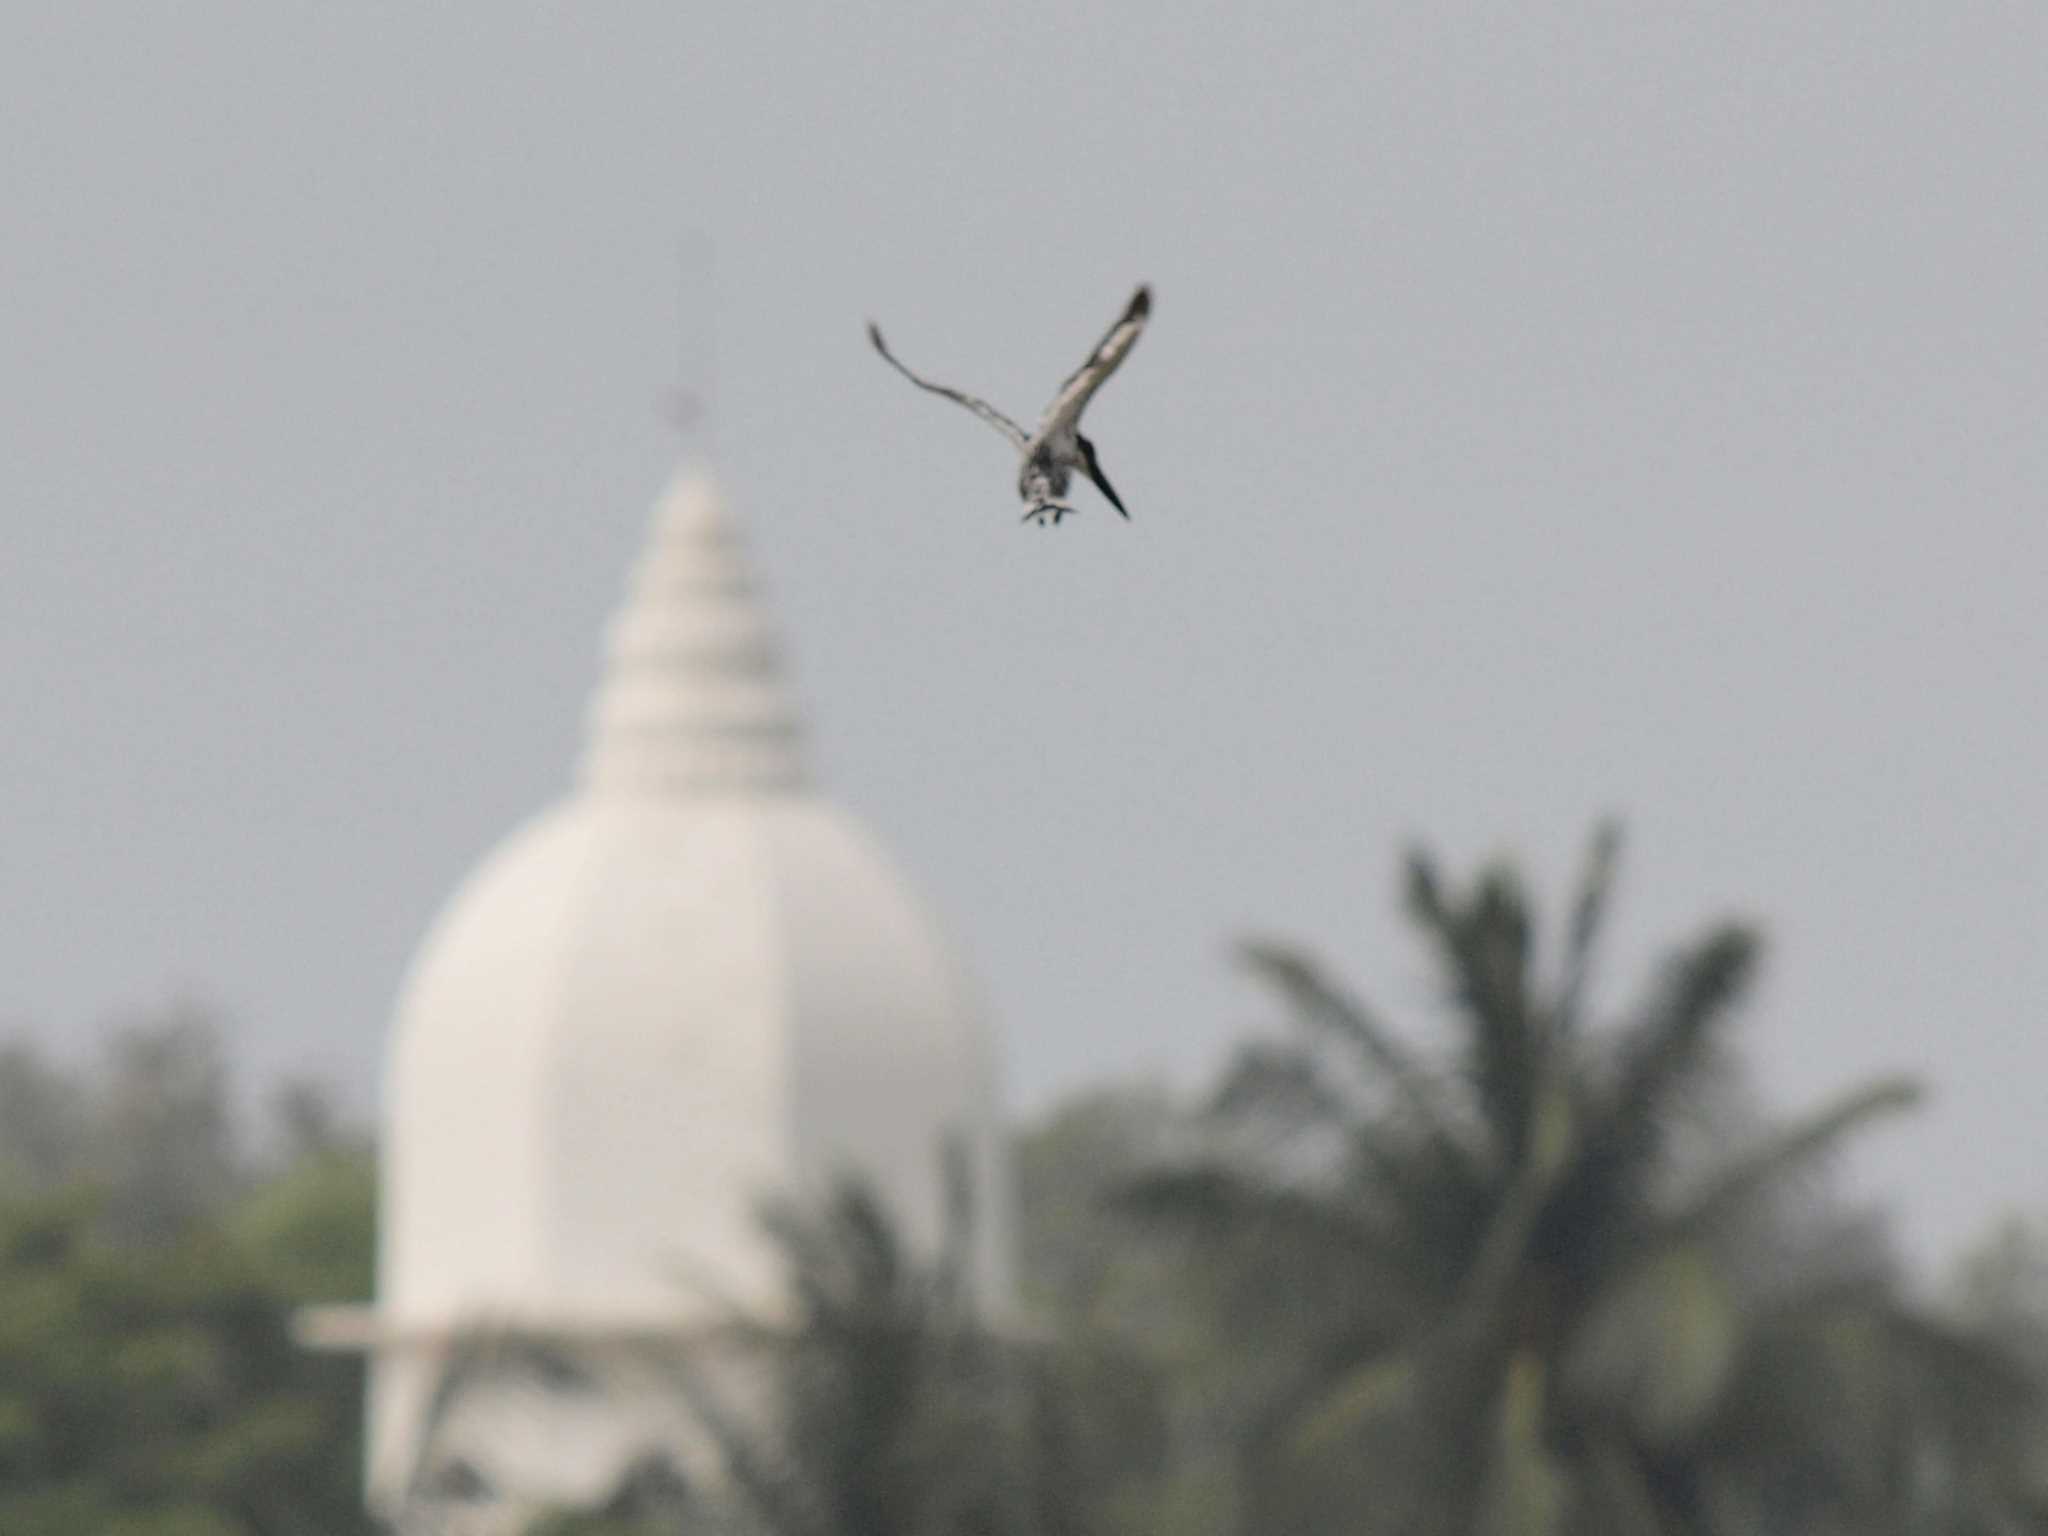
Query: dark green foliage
point(2002, 1288)
point(1491, 1293)
point(152, 1126)
point(165, 1146)
point(312, 1227)
point(895, 1407)
point(43, 1120)
point(160, 1391)
point(1514, 1279)
point(1081, 1267)
point(893, 1411)
point(149, 1383)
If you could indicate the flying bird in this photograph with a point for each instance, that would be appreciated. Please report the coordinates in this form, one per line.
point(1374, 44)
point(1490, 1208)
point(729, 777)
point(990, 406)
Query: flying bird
point(1052, 453)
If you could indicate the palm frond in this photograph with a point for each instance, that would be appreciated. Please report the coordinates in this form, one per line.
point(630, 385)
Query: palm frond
point(1295, 1258)
point(1216, 1200)
point(841, 1257)
point(1429, 1188)
point(1269, 1082)
point(1778, 1156)
point(1589, 911)
point(1326, 1008)
point(1423, 893)
point(1484, 945)
point(1662, 1058)
point(894, 1411)
point(769, 1483)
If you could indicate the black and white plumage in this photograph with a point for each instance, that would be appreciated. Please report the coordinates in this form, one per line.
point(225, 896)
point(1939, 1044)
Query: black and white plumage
point(1052, 453)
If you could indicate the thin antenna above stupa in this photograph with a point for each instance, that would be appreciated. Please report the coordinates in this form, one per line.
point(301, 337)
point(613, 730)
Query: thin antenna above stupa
point(688, 405)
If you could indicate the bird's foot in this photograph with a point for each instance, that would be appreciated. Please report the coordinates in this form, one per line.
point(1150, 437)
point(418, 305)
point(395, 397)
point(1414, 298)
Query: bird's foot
point(1047, 514)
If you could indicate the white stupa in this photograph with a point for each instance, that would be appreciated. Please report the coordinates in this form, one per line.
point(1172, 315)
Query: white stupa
point(691, 983)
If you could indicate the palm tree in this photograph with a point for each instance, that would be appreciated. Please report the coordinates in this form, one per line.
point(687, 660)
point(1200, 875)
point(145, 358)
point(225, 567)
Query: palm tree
point(1502, 1290)
point(882, 1402)
point(888, 1415)
point(894, 1407)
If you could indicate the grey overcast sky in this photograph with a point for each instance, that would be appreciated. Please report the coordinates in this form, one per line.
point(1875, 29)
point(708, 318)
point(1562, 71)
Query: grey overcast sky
point(1547, 409)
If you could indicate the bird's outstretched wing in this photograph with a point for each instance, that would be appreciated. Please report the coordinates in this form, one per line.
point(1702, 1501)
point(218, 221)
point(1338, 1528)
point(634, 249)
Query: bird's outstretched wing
point(981, 408)
point(1082, 383)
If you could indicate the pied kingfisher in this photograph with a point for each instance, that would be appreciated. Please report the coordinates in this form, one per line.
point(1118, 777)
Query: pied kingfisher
point(1057, 448)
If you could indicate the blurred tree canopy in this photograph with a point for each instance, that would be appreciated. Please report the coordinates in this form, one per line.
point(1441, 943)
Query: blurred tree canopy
point(1506, 1287)
point(1535, 1266)
point(149, 1262)
point(894, 1404)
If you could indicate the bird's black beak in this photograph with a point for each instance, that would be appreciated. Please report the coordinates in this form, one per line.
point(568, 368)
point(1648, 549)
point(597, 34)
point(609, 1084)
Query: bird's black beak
point(1101, 480)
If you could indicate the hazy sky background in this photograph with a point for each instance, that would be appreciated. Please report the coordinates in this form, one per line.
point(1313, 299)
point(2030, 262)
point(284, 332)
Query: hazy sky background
point(1547, 409)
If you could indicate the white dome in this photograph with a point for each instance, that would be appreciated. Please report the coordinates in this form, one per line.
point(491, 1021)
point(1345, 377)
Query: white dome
point(635, 1019)
point(691, 984)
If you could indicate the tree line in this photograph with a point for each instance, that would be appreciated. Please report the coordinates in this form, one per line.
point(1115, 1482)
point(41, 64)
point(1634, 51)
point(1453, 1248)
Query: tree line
point(1538, 1264)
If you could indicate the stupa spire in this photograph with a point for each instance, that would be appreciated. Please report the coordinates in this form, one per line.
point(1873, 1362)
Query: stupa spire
point(694, 699)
